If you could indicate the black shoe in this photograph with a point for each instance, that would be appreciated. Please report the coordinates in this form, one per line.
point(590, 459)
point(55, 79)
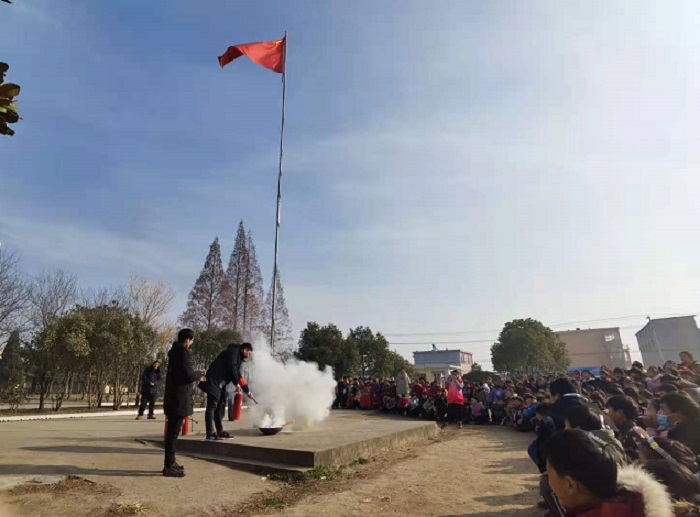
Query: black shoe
point(178, 467)
point(224, 434)
point(213, 438)
point(172, 472)
point(151, 417)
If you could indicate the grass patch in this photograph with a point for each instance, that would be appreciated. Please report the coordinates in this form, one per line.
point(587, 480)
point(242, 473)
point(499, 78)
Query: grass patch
point(70, 485)
point(125, 510)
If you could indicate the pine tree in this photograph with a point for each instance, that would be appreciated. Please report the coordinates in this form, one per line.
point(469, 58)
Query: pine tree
point(253, 290)
point(284, 344)
point(236, 279)
point(12, 372)
point(206, 307)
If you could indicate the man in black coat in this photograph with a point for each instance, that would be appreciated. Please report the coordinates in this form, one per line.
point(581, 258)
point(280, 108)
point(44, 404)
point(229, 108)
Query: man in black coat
point(564, 395)
point(177, 403)
point(224, 369)
point(149, 389)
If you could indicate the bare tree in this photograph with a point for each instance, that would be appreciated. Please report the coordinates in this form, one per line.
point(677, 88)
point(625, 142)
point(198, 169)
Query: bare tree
point(150, 301)
point(14, 294)
point(51, 294)
point(283, 346)
point(97, 297)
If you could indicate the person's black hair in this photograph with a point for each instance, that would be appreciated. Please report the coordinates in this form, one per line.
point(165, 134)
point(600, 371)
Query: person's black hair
point(562, 386)
point(668, 378)
point(581, 417)
point(646, 394)
point(185, 335)
point(543, 408)
point(618, 370)
point(573, 453)
point(632, 393)
point(668, 388)
point(598, 399)
point(637, 363)
point(680, 482)
point(247, 346)
point(626, 404)
point(683, 404)
point(615, 389)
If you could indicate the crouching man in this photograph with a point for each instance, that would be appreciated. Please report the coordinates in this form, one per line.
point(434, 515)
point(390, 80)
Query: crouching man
point(224, 369)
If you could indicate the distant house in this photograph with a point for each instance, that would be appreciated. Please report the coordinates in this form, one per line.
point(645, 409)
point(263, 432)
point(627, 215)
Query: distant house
point(437, 364)
point(663, 339)
point(596, 347)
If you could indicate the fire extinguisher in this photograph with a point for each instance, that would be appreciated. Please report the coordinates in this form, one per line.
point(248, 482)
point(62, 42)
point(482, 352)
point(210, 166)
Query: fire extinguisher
point(237, 406)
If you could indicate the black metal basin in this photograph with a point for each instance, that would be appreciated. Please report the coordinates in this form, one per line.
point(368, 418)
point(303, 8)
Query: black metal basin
point(269, 431)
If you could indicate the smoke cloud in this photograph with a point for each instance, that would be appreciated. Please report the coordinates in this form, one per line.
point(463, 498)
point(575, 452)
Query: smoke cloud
point(293, 390)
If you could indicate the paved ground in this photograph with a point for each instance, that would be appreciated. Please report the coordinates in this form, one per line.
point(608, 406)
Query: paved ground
point(480, 472)
point(104, 450)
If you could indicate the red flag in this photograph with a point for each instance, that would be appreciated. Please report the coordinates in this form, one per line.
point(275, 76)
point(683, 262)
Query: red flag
point(269, 54)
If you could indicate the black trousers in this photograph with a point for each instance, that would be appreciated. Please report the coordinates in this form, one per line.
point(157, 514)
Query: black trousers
point(455, 412)
point(151, 401)
point(174, 428)
point(213, 413)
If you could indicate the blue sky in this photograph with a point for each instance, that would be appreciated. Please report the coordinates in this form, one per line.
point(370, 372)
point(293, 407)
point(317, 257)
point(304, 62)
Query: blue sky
point(449, 166)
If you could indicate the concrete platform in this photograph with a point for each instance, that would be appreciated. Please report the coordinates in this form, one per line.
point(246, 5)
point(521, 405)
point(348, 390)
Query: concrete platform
point(341, 439)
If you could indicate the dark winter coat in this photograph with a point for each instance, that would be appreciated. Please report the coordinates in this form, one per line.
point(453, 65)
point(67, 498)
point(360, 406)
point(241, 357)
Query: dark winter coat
point(224, 369)
point(687, 433)
point(149, 381)
point(178, 382)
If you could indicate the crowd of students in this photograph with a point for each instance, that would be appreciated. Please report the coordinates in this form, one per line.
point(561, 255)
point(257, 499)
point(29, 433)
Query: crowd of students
point(622, 443)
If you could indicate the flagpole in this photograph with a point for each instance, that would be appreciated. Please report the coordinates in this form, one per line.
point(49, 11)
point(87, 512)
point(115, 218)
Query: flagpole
point(279, 198)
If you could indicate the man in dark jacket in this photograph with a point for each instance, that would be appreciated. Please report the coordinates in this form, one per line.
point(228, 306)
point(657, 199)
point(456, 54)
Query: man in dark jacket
point(564, 394)
point(149, 389)
point(224, 369)
point(177, 404)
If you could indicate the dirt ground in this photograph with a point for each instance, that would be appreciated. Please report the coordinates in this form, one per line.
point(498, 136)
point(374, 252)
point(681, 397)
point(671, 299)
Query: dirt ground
point(473, 472)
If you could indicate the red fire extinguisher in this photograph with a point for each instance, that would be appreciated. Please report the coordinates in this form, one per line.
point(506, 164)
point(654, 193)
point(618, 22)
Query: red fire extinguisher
point(237, 406)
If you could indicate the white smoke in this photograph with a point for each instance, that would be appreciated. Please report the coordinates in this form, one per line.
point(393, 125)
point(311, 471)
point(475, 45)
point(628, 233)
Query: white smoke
point(293, 390)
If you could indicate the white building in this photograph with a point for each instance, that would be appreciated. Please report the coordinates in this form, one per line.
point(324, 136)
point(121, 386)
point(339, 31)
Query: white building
point(663, 339)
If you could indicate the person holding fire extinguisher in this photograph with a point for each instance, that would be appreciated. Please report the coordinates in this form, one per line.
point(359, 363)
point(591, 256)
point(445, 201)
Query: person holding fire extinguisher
point(226, 368)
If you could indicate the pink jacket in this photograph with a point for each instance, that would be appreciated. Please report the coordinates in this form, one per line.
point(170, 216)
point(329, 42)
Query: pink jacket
point(454, 392)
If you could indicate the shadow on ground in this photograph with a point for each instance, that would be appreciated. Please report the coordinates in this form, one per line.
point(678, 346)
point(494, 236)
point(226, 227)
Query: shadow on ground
point(515, 512)
point(91, 449)
point(69, 470)
point(512, 466)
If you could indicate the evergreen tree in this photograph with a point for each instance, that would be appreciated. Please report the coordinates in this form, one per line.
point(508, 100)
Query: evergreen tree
point(284, 345)
point(253, 291)
point(235, 274)
point(206, 306)
point(12, 371)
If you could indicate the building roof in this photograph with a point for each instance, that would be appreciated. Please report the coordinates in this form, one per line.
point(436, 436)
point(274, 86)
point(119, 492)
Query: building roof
point(663, 319)
point(587, 330)
point(441, 350)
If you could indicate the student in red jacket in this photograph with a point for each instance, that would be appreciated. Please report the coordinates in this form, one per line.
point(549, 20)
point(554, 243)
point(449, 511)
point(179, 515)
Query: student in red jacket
point(455, 399)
